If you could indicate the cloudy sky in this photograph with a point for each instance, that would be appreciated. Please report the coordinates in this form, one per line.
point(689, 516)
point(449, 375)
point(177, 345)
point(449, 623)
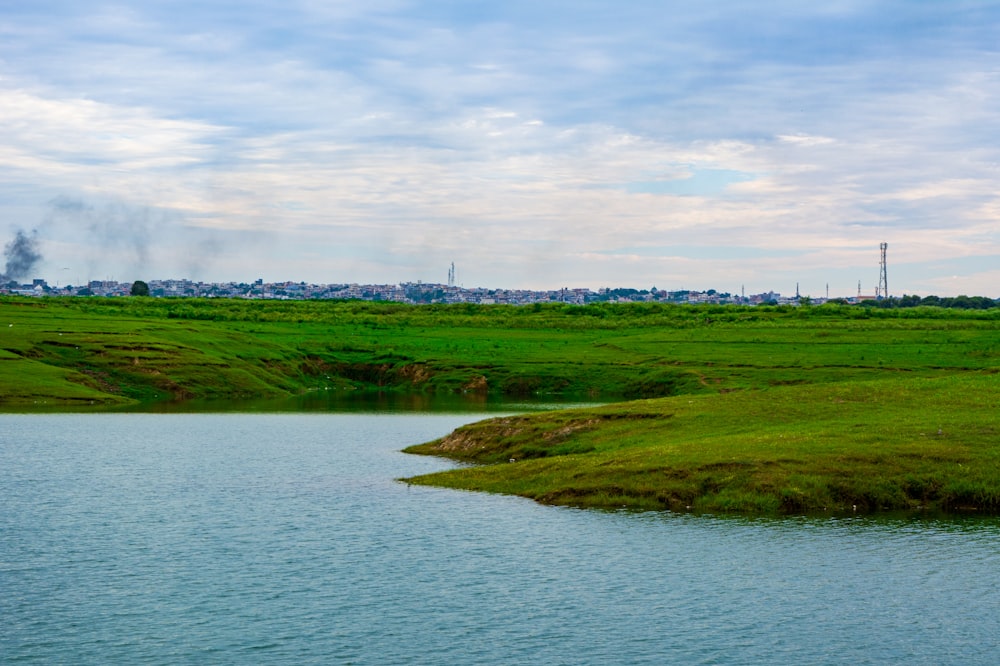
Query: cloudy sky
point(730, 144)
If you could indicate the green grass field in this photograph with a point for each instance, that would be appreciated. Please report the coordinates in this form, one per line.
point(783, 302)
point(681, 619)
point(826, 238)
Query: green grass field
point(763, 410)
point(141, 349)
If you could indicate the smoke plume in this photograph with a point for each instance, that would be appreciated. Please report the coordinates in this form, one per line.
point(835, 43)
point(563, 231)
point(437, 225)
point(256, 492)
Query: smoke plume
point(21, 255)
point(114, 238)
point(105, 232)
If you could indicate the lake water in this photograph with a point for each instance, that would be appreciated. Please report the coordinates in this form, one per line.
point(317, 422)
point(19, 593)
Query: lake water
point(284, 539)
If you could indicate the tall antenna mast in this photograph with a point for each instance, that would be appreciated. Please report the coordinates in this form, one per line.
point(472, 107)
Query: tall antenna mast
point(883, 282)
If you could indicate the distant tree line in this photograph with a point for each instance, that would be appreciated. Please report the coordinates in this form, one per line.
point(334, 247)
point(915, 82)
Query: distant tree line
point(650, 294)
point(956, 302)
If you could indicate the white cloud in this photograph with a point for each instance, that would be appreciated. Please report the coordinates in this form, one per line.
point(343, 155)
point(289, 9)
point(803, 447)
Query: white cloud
point(77, 134)
point(805, 140)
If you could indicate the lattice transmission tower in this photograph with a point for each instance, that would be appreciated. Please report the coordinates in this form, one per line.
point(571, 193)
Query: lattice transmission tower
point(883, 281)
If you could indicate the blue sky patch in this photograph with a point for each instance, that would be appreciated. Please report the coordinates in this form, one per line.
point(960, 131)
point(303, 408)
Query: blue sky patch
point(702, 182)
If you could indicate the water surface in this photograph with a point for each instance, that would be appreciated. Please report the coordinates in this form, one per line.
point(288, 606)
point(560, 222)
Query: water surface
point(284, 538)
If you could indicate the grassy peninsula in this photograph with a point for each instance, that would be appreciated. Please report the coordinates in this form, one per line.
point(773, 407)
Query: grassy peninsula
point(766, 409)
point(893, 444)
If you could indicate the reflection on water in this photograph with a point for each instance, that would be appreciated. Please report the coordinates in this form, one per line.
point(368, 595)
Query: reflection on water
point(368, 402)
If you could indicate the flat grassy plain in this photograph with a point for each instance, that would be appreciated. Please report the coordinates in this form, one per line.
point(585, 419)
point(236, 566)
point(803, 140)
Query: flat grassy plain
point(762, 410)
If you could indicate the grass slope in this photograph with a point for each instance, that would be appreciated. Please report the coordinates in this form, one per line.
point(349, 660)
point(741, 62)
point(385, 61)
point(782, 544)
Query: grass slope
point(896, 444)
point(46, 382)
point(139, 349)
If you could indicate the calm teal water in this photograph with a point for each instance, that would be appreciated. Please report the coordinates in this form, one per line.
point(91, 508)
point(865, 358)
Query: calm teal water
point(283, 539)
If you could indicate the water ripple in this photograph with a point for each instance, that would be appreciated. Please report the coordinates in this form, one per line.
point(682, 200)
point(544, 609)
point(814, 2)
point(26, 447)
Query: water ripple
point(282, 538)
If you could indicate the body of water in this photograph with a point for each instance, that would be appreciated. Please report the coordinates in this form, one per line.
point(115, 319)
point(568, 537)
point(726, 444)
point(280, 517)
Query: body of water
point(284, 538)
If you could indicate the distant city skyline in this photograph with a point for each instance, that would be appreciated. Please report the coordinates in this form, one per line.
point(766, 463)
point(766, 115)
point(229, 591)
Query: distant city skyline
point(406, 292)
point(539, 144)
point(438, 292)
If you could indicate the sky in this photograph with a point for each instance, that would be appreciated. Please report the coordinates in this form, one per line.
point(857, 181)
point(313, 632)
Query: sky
point(754, 145)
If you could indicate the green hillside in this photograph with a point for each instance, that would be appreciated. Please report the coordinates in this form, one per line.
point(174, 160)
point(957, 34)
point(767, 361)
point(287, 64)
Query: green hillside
point(126, 350)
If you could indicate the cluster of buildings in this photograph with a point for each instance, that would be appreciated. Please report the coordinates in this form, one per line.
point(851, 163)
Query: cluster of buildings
point(407, 292)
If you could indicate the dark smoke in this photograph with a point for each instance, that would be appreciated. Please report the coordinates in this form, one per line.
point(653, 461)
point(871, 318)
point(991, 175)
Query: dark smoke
point(21, 254)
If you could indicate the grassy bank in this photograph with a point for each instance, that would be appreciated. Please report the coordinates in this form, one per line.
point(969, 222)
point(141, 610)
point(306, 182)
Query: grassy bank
point(126, 350)
point(893, 444)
